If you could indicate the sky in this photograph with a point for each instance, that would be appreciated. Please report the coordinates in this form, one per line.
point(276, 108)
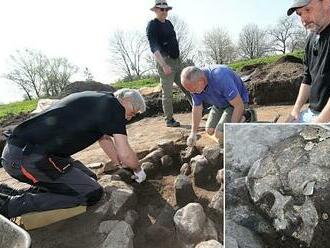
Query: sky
point(80, 29)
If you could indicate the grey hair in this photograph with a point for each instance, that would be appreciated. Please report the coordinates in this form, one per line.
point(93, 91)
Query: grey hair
point(191, 74)
point(135, 98)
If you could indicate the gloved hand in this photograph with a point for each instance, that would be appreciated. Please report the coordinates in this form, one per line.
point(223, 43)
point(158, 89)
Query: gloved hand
point(139, 176)
point(191, 140)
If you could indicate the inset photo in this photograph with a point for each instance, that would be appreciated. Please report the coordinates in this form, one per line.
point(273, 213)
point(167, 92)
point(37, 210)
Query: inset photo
point(277, 186)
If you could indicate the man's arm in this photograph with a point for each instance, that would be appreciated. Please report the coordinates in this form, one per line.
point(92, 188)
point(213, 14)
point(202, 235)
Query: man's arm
point(197, 114)
point(324, 116)
point(125, 153)
point(303, 96)
point(108, 147)
point(159, 58)
point(238, 112)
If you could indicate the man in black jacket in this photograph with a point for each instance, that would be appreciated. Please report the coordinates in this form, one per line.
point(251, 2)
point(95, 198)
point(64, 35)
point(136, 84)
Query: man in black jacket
point(164, 45)
point(315, 87)
point(38, 151)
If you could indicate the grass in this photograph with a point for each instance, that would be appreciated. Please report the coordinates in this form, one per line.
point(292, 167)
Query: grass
point(148, 82)
point(237, 66)
point(17, 108)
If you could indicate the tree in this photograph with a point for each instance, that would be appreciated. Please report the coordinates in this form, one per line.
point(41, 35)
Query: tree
point(184, 38)
point(39, 75)
point(25, 67)
point(88, 75)
point(252, 42)
point(218, 46)
point(56, 75)
point(286, 35)
point(128, 50)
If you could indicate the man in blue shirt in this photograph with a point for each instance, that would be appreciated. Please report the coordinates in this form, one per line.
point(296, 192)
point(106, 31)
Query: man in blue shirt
point(220, 87)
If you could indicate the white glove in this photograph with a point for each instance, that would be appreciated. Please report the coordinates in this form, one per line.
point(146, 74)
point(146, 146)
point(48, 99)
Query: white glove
point(191, 140)
point(140, 176)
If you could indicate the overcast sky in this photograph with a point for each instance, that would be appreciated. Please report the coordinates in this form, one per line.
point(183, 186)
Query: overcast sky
point(80, 29)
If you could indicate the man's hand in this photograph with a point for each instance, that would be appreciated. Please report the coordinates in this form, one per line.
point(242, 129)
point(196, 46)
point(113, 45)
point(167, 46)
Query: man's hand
point(167, 69)
point(139, 176)
point(191, 140)
point(293, 117)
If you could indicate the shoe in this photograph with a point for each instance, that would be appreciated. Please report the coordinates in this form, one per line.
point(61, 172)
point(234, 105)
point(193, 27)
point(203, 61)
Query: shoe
point(7, 190)
point(172, 123)
point(4, 202)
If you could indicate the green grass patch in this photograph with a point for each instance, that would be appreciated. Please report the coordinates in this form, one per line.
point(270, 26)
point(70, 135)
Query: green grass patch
point(237, 66)
point(137, 84)
point(17, 108)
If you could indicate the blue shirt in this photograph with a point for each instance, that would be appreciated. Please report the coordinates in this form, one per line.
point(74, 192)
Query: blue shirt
point(223, 86)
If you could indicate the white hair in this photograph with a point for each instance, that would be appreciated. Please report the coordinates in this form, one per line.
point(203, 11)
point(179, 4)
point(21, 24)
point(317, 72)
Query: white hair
point(191, 74)
point(134, 96)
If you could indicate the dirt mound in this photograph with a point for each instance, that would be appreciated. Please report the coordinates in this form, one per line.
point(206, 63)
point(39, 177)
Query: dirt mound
point(80, 86)
point(278, 82)
point(290, 59)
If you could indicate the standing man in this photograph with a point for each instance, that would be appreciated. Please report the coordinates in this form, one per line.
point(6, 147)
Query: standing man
point(220, 87)
point(164, 45)
point(315, 87)
point(38, 151)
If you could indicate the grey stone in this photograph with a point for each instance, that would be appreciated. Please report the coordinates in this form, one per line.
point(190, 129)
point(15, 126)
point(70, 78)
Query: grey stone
point(185, 169)
point(154, 157)
point(243, 236)
point(187, 154)
point(150, 169)
point(201, 171)
point(190, 222)
point(231, 242)
point(217, 204)
point(210, 244)
point(131, 217)
point(106, 226)
point(184, 192)
point(121, 236)
point(214, 154)
point(158, 234)
point(167, 163)
point(220, 177)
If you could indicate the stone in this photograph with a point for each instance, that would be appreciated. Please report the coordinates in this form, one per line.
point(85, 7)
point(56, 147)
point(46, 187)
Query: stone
point(185, 169)
point(279, 181)
point(167, 146)
point(165, 217)
point(217, 204)
point(150, 169)
point(154, 157)
point(120, 196)
point(187, 154)
point(220, 177)
point(210, 244)
point(184, 192)
point(243, 236)
point(121, 236)
point(167, 163)
point(202, 171)
point(131, 217)
point(214, 155)
point(190, 222)
point(158, 234)
point(106, 226)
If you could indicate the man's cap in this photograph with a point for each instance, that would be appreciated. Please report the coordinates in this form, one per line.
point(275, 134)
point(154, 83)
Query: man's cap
point(162, 4)
point(296, 5)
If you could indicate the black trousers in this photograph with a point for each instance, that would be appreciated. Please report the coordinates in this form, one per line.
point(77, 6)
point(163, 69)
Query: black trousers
point(63, 185)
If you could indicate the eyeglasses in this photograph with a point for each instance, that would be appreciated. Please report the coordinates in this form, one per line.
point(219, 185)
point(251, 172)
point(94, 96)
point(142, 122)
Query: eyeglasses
point(316, 45)
point(162, 9)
